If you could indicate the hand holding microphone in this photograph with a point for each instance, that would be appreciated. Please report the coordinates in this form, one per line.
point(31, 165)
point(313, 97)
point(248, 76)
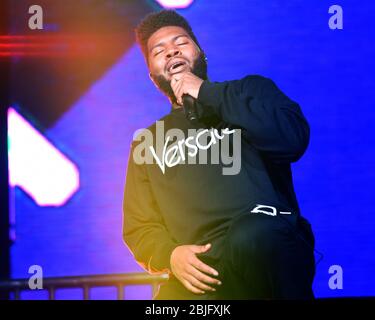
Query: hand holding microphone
point(186, 89)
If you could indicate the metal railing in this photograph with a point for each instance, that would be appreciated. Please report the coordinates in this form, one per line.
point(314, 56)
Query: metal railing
point(120, 281)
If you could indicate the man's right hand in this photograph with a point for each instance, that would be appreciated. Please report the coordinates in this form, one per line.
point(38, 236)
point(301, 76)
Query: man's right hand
point(192, 272)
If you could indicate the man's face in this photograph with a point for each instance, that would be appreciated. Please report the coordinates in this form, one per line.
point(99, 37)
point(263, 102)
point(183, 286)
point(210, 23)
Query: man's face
point(172, 51)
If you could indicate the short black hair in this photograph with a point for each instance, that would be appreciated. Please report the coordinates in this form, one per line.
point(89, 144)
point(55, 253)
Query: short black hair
point(156, 20)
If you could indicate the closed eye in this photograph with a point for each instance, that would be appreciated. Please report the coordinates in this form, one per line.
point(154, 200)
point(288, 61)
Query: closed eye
point(157, 53)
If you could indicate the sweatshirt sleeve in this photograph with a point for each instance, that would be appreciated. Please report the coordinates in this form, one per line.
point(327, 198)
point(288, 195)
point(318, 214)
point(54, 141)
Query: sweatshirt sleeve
point(144, 232)
point(273, 123)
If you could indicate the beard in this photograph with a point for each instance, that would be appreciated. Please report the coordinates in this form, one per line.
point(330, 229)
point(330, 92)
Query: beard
point(199, 69)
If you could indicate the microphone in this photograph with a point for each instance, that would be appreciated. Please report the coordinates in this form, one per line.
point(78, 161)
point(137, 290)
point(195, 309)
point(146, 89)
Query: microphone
point(190, 107)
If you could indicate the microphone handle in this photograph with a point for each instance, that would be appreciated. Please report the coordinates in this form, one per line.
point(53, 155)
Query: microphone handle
point(190, 107)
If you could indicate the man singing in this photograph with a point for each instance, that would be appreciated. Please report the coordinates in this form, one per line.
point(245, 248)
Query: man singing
point(219, 235)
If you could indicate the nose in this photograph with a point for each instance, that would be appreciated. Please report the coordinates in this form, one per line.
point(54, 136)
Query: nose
point(172, 52)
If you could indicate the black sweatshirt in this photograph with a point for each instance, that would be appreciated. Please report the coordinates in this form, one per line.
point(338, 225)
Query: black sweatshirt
point(195, 203)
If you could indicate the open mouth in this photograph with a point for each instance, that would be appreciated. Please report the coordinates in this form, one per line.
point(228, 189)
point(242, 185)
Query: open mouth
point(177, 67)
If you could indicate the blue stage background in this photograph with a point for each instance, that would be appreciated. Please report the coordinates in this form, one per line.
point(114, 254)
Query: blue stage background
point(328, 72)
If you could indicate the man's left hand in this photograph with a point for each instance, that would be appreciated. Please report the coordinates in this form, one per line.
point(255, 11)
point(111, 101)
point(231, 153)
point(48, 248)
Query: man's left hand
point(186, 83)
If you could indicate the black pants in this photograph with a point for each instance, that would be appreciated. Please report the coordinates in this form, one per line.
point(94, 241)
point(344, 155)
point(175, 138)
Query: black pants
point(263, 258)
